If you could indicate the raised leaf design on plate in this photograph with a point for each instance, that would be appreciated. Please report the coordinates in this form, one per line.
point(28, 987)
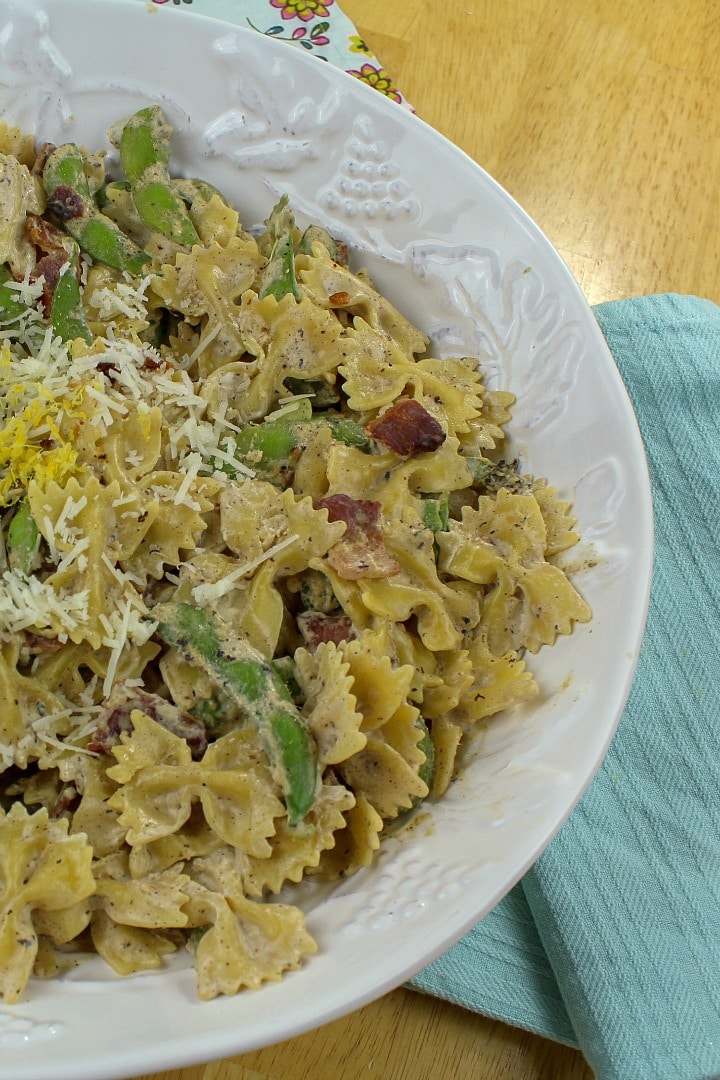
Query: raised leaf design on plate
point(507, 315)
point(259, 131)
point(34, 75)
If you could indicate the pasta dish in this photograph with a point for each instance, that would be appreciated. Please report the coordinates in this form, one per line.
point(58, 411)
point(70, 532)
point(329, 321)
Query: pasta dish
point(264, 567)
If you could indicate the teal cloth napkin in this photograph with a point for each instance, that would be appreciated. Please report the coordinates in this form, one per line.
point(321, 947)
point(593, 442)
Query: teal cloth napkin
point(611, 941)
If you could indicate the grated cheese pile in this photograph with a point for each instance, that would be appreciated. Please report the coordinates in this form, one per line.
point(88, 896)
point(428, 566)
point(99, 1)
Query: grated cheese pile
point(59, 404)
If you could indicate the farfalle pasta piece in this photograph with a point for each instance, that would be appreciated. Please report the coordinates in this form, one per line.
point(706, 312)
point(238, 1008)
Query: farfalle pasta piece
point(133, 445)
point(256, 519)
point(176, 525)
point(260, 615)
point(20, 195)
point(355, 845)
point(154, 902)
point(207, 283)
point(406, 648)
point(453, 677)
point(446, 737)
point(93, 816)
point(380, 685)
point(76, 672)
point(17, 143)
point(496, 683)
point(41, 868)
point(296, 851)
point(242, 943)
point(487, 431)
point(452, 390)
point(382, 775)
point(159, 783)
point(304, 341)
point(442, 610)
point(194, 840)
point(376, 371)
point(311, 469)
point(64, 925)
point(330, 706)
point(502, 544)
point(393, 481)
point(334, 286)
point(252, 603)
point(214, 219)
point(559, 519)
point(24, 699)
point(405, 732)
point(79, 522)
point(128, 949)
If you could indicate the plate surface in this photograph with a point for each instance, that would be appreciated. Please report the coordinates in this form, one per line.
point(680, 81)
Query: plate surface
point(454, 252)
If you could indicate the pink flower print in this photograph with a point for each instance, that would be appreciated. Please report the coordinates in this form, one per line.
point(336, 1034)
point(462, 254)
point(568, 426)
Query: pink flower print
point(378, 78)
point(302, 9)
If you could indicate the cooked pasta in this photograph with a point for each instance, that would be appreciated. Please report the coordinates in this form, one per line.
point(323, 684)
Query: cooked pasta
point(263, 567)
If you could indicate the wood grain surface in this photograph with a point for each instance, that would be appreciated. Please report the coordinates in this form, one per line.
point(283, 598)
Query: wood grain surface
point(601, 119)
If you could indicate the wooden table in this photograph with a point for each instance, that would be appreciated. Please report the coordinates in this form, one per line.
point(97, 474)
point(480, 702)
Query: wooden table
point(602, 121)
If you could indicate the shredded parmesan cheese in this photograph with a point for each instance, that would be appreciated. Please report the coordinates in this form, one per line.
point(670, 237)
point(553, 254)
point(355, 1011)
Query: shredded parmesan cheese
point(207, 592)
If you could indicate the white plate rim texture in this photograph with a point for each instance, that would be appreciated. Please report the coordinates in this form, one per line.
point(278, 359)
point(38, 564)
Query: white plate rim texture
point(457, 255)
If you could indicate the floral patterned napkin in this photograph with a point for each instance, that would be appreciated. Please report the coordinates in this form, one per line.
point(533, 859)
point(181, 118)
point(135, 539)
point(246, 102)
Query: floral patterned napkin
point(318, 27)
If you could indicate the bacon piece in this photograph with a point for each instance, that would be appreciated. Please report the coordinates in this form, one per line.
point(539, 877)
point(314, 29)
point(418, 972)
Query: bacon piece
point(67, 801)
point(36, 643)
point(317, 628)
point(115, 718)
point(48, 268)
point(66, 203)
point(51, 241)
point(360, 552)
point(43, 233)
point(41, 155)
point(407, 428)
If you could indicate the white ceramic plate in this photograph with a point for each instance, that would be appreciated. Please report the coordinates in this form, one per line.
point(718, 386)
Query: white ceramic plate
point(457, 255)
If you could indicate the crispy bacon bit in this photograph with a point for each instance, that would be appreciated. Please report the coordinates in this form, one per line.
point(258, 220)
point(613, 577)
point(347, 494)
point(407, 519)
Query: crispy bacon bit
point(361, 551)
point(115, 718)
point(67, 801)
point(36, 643)
point(42, 154)
point(339, 299)
point(317, 628)
point(51, 240)
point(66, 203)
point(44, 234)
point(154, 363)
point(407, 428)
point(48, 268)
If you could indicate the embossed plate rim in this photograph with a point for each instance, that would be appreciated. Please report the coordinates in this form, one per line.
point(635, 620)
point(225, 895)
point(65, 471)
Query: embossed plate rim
point(429, 886)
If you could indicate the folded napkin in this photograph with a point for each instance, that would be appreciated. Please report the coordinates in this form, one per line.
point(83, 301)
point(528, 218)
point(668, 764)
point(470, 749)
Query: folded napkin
point(318, 27)
point(612, 940)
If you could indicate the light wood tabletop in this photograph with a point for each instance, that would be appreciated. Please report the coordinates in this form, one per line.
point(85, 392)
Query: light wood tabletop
point(602, 121)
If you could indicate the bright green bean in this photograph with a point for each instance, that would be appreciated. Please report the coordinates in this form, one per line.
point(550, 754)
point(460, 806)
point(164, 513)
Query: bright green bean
point(69, 198)
point(248, 679)
point(23, 542)
point(278, 277)
point(145, 158)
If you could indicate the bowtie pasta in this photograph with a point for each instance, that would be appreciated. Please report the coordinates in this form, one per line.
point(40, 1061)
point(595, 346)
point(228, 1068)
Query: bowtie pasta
point(263, 568)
